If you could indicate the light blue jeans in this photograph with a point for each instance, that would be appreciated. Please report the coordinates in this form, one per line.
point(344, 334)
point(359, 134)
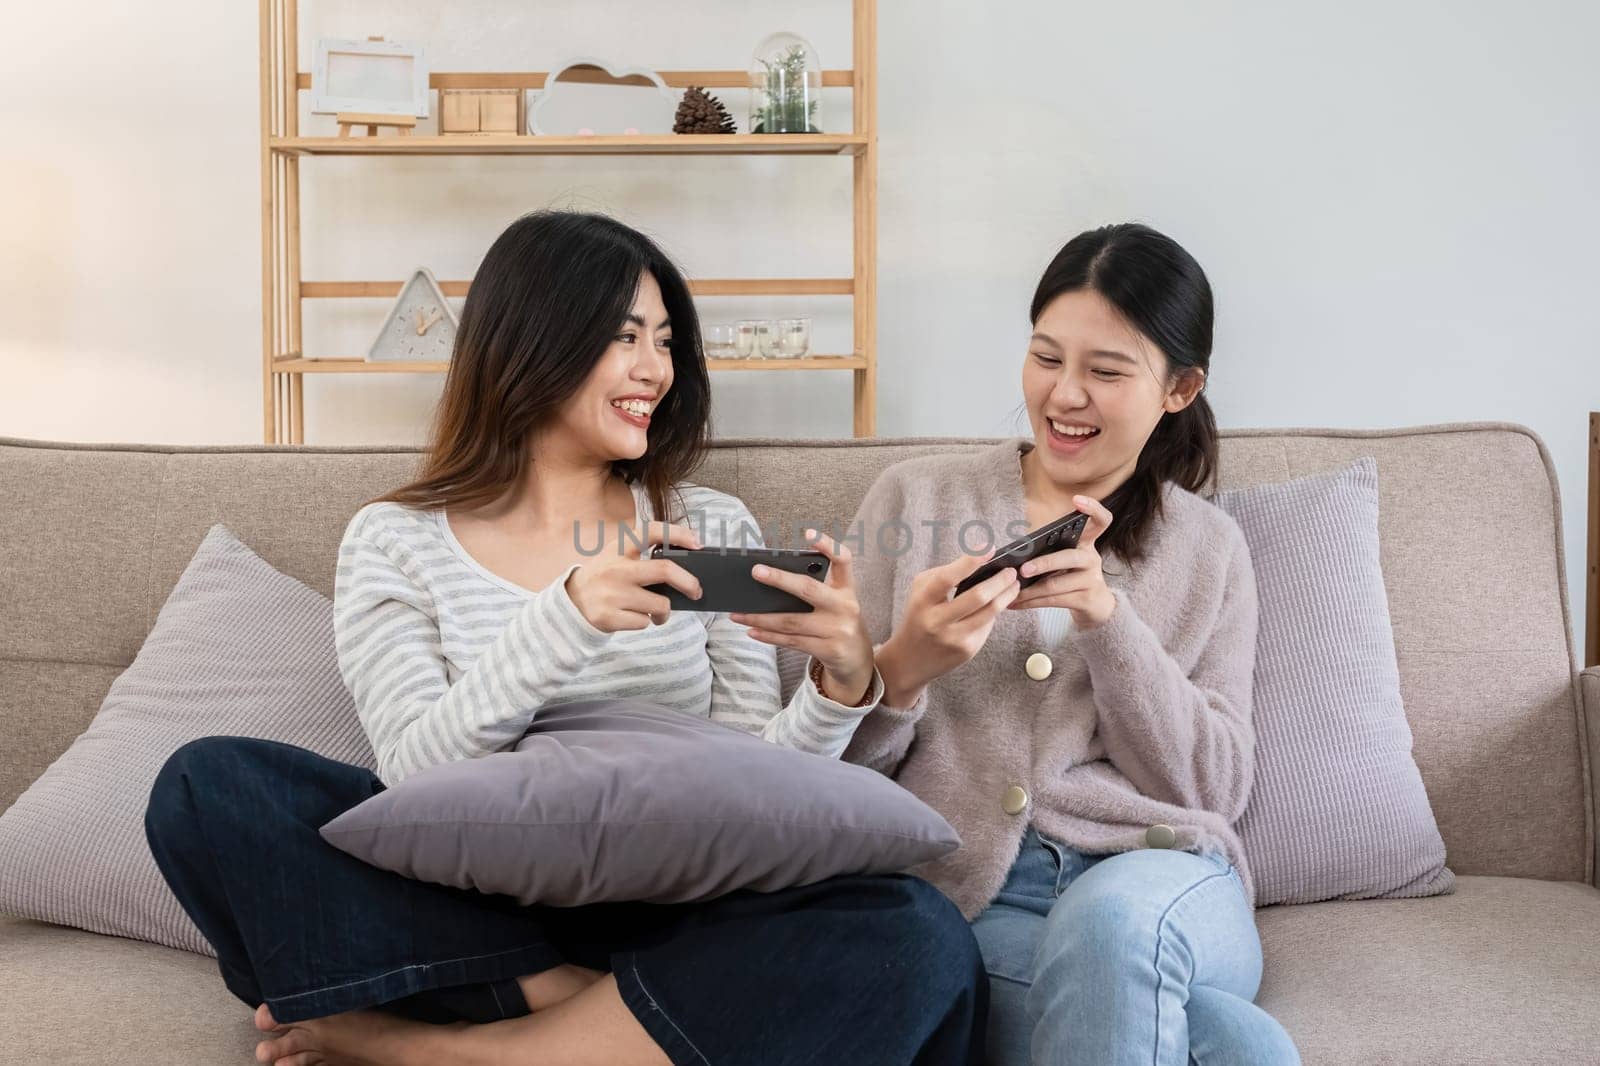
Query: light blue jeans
point(1147, 957)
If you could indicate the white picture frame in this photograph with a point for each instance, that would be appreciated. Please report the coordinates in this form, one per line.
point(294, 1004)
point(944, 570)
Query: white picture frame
point(370, 77)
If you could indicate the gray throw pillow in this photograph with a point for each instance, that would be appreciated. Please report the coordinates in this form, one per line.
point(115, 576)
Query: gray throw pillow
point(238, 648)
point(624, 800)
point(1338, 810)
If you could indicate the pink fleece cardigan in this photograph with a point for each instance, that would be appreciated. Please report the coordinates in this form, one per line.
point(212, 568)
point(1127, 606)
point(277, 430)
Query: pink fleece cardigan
point(1142, 721)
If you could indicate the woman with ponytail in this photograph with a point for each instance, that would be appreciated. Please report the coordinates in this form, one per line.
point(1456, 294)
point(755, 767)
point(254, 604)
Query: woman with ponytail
point(1085, 725)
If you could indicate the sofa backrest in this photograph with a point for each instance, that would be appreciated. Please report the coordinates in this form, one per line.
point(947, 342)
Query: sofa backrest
point(96, 535)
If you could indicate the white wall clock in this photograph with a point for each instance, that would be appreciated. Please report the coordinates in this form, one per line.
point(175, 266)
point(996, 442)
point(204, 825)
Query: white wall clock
point(421, 326)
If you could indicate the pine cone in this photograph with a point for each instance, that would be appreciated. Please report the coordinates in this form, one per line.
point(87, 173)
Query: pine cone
point(700, 112)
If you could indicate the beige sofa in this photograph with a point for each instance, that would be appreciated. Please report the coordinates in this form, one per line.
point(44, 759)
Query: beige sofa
point(1505, 970)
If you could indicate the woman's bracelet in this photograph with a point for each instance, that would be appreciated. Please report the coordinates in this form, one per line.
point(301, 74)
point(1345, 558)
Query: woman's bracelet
point(816, 679)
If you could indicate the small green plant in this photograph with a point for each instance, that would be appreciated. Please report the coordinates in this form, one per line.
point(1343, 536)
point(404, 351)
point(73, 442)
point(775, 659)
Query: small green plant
point(789, 105)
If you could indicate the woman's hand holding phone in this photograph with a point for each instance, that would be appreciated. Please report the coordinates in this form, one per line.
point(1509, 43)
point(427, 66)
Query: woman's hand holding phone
point(1073, 578)
point(938, 632)
point(611, 592)
point(832, 632)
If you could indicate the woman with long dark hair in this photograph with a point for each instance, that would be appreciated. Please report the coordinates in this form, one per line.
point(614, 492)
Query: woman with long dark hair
point(1089, 735)
point(464, 602)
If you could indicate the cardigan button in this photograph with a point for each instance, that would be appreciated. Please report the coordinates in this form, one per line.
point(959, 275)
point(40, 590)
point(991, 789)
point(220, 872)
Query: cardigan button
point(1039, 666)
point(1160, 836)
point(1015, 801)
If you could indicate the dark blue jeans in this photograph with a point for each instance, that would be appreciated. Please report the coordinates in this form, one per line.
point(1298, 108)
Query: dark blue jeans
point(869, 970)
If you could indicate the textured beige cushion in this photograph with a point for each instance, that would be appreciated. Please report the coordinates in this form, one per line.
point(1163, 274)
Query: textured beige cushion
point(1504, 970)
point(70, 997)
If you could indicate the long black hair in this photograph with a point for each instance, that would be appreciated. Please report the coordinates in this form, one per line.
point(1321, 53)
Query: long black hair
point(1160, 290)
point(548, 299)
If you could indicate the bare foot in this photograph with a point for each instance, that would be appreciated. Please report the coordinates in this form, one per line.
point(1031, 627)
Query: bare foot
point(354, 1038)
point(546, 989)
point(590, 1028)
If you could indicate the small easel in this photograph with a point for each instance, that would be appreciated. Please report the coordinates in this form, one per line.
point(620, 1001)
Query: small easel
point(346, 119)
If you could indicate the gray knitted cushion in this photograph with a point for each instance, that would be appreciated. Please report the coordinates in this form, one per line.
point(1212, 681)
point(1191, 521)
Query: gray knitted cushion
point(1338, 810)
point(238, 649)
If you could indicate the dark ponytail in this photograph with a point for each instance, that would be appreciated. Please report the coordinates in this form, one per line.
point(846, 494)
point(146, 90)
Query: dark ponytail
point(1162, 292)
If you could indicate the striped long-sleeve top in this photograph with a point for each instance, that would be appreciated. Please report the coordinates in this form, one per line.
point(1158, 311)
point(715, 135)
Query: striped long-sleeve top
point(448, 660)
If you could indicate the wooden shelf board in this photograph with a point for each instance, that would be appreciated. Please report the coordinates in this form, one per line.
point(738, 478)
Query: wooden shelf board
point(534, 79)
point(699, 286)
point(847, 144)
point(810, 362)
point(362, 366)
point(295, 365)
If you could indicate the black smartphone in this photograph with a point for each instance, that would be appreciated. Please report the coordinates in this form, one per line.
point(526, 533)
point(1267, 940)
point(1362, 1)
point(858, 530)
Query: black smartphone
point(726, 584)
point(1059, 535)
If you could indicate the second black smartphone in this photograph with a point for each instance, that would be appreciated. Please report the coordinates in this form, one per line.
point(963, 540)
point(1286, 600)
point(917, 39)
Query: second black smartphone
point(1059, 535)
point(726, 584)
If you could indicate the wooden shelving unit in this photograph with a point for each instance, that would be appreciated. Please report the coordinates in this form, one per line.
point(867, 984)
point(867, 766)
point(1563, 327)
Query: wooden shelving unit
point(285, 362)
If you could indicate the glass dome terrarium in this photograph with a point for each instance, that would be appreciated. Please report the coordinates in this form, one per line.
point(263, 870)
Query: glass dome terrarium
point(785, 85)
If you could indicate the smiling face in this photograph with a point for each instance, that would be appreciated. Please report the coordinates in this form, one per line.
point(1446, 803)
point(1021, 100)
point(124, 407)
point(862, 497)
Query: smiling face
point(1095, 389)
point(609, 417)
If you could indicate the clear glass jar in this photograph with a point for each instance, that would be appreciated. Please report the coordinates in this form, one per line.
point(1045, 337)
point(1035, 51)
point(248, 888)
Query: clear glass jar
point(785, 85)
point(744, 338)
point(767, 341)
point(794, 337)
point(719, 340)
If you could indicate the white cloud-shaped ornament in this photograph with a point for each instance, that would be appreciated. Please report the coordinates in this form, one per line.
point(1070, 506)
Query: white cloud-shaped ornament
point(586, 96)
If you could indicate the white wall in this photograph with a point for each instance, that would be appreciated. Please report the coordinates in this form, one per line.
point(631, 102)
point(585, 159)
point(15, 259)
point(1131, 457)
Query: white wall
point(1395, 203)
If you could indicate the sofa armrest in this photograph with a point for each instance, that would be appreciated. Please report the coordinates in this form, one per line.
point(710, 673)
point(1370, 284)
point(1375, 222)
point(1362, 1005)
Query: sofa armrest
point(1589, 684)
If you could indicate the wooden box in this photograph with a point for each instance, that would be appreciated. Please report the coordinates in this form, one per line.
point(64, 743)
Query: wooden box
point(467, 112)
